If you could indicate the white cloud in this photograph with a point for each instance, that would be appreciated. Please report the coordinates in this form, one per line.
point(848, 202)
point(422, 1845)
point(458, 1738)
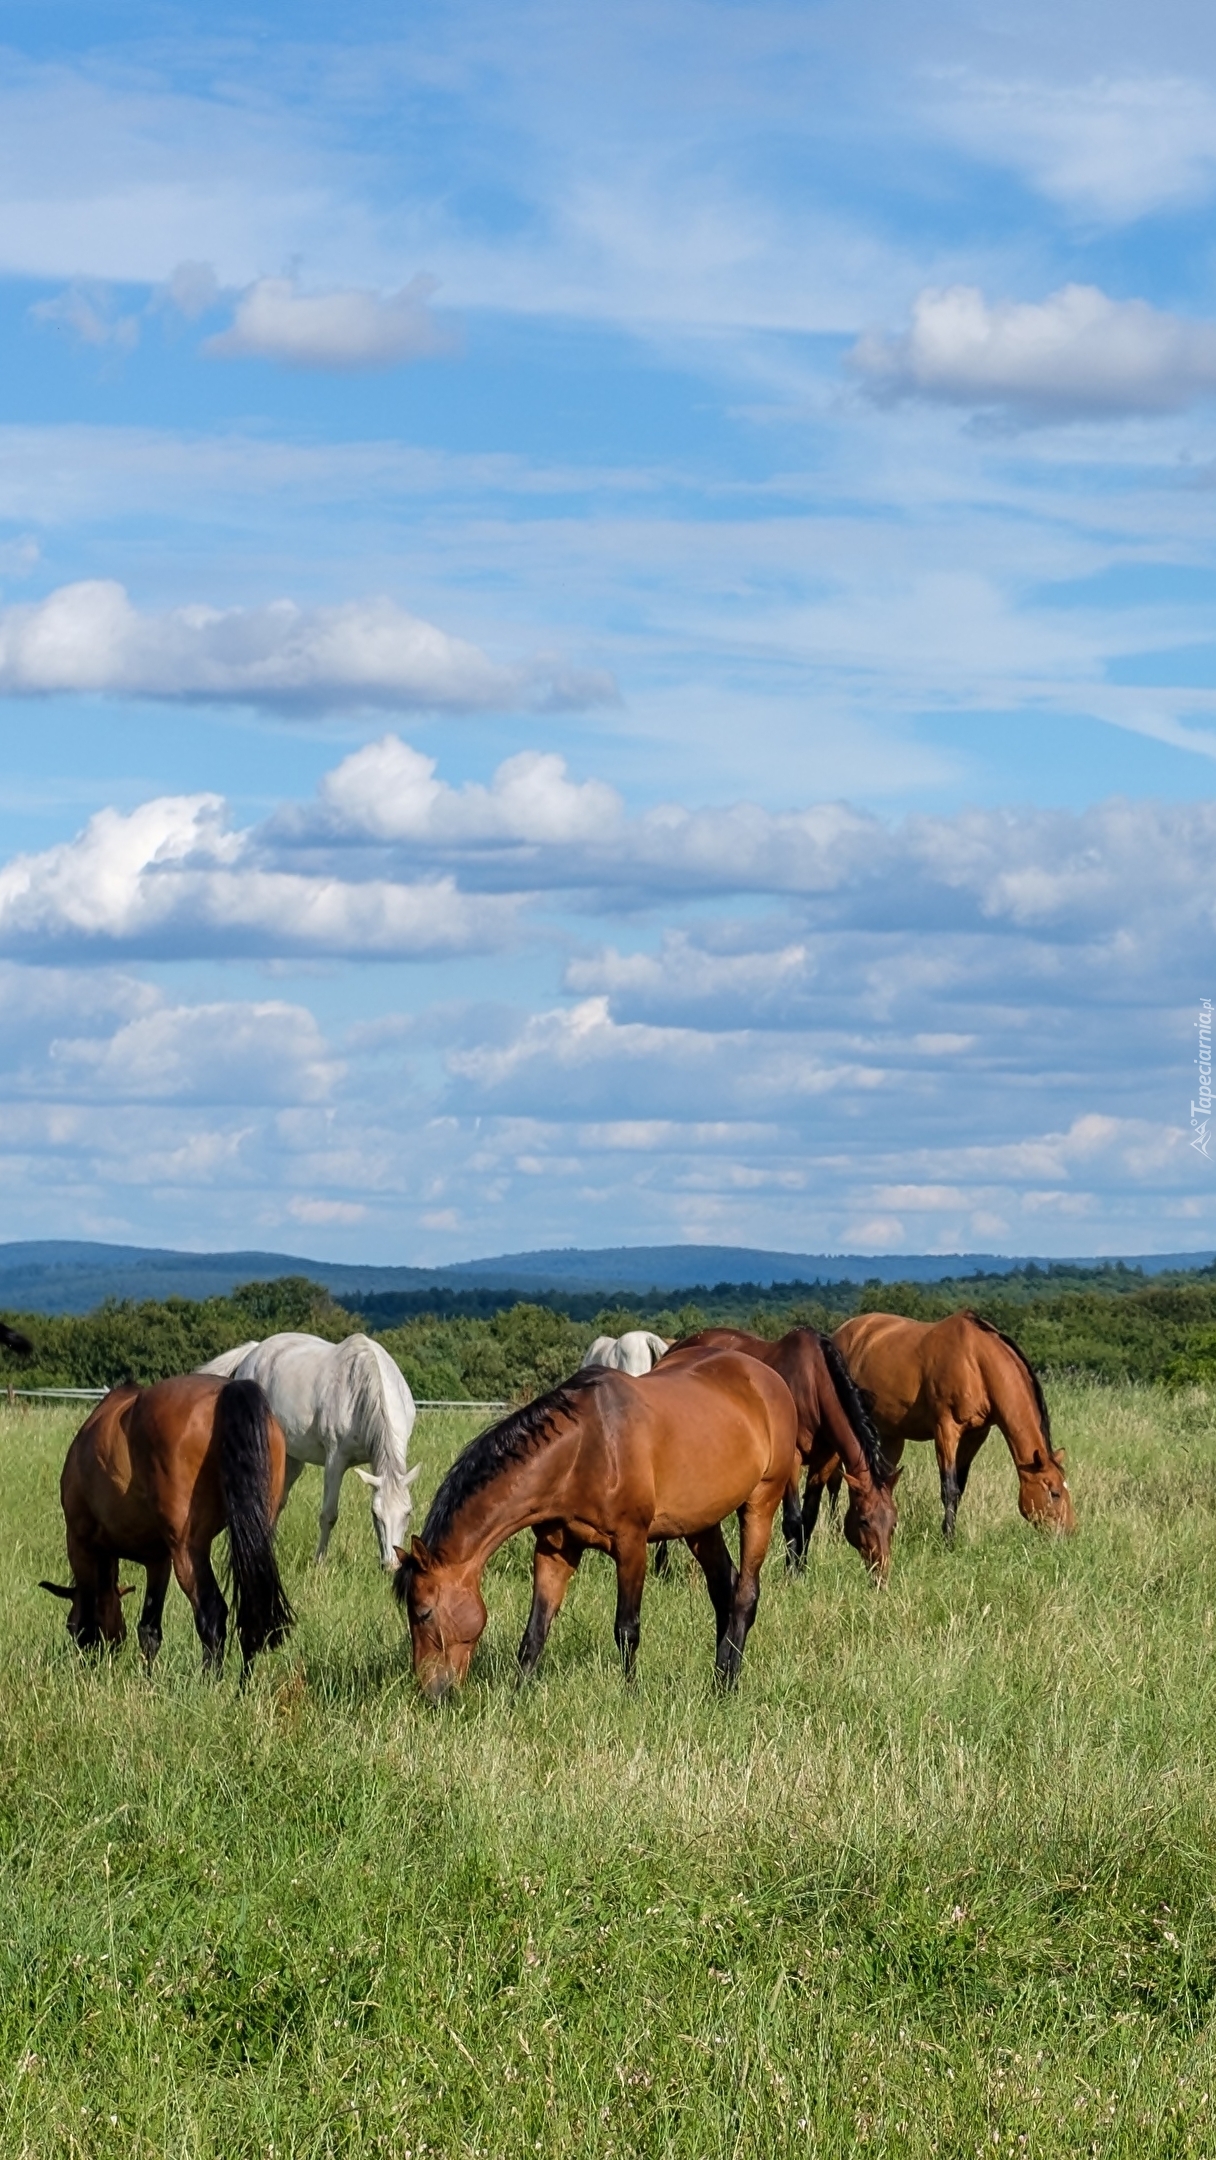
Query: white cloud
point(388, 791)
point(579, 1061)
point(391, 859)
point(340, 331)
point(326, 1211)
point(1115, 147)
point(89, 637)
point(229, 1052)
point(1075, 355)
point(169, 877)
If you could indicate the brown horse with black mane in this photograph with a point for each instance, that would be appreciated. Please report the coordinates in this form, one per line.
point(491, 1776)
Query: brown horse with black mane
point(154, 1475)
point(611, 1463)
point(835, 1432)
point(951, 1381)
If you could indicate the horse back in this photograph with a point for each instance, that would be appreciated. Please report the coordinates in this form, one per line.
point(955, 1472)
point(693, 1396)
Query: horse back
point(143, 1471)
point(916, 1371)
point(795, 1356)
point(713, 1428)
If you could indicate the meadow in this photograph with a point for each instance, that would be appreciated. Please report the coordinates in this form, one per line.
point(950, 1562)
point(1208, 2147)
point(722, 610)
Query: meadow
point(939, 1879)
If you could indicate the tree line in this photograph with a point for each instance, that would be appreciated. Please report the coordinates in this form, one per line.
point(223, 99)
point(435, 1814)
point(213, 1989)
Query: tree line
point(1111, 1322)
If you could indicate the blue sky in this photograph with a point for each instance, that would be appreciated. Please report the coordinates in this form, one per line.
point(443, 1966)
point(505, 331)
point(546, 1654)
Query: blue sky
point(606, 626)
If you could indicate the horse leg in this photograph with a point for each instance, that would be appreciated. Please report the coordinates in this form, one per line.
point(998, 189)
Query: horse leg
point(946, 1440)
point(192, 1567)
point(557, 1557)
point(794, 1527)
point(630, 1556)
point(756, 1517)
point(85, 1565)
point(291, 1471)
point(968, 1448)
point(709, 1549)
point(334, 1469)
point(155, 1586)
point(110, 1623)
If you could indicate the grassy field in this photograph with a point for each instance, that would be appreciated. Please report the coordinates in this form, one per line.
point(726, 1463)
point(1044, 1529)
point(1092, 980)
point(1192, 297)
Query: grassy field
point(941, 1878)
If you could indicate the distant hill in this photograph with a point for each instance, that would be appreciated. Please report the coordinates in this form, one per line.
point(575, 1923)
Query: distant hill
point(64, 1276)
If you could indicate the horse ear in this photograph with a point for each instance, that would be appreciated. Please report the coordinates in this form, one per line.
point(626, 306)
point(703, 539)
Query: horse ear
point(57, 1590)
point(410, 1475)
point(368, 1478)
point(127, 1590)
point(1036, 1461)
point(420, 1554)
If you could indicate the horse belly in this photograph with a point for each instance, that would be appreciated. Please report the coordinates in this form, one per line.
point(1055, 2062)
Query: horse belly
point(306, 1447)
point(697, 1486)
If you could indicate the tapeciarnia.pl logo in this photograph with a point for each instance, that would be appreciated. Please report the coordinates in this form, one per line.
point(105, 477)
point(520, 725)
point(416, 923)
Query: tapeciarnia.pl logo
point(1201, 1111)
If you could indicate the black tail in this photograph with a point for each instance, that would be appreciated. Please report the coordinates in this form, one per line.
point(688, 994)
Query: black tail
point(263, 1615)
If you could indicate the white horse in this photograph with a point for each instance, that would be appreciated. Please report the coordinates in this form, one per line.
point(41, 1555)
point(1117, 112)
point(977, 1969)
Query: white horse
point(340, 1405)
point(634, 1353)
point(227, 1361)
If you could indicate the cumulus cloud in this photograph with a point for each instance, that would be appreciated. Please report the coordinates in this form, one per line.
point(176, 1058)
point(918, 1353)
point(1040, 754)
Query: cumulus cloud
point(169, 877)
point(228, 1053)
point(387, 791)
point(389, 858)
point(89, 637)
point(1075, 355)
point(578, 1061)
point(340, 331)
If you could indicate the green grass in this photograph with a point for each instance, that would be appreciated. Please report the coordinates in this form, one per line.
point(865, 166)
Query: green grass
point(940, 1878)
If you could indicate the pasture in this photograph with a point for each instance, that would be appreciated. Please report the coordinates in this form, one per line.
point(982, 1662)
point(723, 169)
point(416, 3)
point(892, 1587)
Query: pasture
point(939, 1879)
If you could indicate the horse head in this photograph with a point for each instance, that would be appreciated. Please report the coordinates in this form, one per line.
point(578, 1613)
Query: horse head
point(392, 1505)
point(446, 1613)
point(869, 1523)
point(1043, 1495)
point(93, 1618)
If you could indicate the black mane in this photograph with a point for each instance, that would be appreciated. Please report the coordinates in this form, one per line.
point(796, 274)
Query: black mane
point(1031, 1374)
point(858, 1408)
point(485, 1457)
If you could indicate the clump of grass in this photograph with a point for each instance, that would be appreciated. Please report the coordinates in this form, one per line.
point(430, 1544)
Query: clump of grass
point(939, 1879)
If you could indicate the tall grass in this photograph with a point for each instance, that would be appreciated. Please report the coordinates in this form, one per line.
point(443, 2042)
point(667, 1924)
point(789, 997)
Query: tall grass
point(940, 1878)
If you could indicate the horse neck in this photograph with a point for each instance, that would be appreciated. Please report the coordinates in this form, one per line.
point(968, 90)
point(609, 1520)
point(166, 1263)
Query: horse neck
point(1013, 1407)
point(819, 1389)
point(386, 1446)
point(521, 1494)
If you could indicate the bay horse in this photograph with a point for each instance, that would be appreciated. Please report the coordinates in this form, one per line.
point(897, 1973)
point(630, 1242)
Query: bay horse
point(835, 1434)
point(13, 1341)
point(340, 1405)
point(153, 1476)
point(951, 1381)
point(608, 1462)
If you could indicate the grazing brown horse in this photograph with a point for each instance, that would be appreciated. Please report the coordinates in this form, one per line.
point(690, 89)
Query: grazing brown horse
point(609, 1462)
point(835, 1432)
point(154, 1475)
point(951, 1381)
